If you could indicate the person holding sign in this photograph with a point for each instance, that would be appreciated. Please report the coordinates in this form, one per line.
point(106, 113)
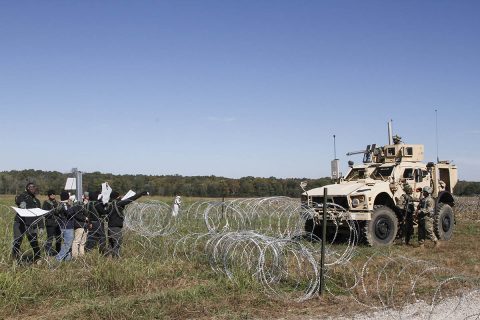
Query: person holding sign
point(115, 220)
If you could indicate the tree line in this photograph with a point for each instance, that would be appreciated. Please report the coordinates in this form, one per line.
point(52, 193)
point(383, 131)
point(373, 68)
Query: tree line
point(467, 188)
point(13, 182)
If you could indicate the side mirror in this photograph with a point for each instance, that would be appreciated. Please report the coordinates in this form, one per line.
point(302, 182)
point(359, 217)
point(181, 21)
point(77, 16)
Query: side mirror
point(303, 185)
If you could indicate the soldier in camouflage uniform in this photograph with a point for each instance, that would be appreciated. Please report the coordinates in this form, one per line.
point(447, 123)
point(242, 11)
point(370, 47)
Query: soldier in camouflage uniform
point(407, 207)
point(425, 211)
point(397, 139)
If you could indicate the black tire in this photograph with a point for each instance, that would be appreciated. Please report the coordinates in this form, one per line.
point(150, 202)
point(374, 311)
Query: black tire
point(444, 222)
point(382, 229)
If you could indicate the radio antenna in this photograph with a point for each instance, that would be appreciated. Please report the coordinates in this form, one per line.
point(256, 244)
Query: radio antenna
point(334, 148)
point(436, 133)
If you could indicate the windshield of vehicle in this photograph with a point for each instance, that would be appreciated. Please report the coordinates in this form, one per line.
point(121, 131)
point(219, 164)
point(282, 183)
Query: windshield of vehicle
point(356, 174)
point(381, 173)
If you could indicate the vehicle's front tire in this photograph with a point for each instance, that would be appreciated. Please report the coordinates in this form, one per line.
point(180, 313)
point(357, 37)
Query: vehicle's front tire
point(381, 230)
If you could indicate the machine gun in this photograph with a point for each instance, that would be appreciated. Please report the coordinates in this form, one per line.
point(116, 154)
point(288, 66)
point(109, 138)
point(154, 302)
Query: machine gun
point(368, 153)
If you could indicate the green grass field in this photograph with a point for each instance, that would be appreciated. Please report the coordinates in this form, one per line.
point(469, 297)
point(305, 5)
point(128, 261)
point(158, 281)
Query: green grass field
point(148, 282)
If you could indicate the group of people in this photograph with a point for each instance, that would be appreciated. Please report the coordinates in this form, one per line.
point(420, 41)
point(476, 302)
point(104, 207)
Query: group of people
point(72, 227)
point(424, 212)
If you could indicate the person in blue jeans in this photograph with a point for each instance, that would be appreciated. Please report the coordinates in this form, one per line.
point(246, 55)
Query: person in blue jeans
point(64, 216)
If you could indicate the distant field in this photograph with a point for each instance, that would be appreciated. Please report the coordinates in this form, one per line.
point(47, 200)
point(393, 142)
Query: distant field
point(148, 282)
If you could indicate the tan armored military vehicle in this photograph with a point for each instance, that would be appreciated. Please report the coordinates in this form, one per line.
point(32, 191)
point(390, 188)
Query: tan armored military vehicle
point(368, 194)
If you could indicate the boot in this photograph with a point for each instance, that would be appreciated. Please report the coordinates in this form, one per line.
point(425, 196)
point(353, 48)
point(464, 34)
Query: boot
point(16, 257)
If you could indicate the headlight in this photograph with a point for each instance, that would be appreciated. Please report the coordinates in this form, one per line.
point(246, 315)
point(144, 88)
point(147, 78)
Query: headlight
point(357, 201)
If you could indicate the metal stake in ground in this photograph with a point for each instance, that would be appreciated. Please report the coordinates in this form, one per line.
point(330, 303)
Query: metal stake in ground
point(324, 240)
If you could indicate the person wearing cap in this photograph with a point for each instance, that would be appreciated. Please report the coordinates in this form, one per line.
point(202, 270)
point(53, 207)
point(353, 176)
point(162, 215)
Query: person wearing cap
point(26, 225)
point(53, 229)
point(406, 206)
point(115, 221)
point(425, 211)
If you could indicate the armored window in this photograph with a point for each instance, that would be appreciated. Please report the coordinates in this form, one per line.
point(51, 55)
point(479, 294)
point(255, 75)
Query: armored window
point(390, 152)
point(381, 173)
point(356, 174)
point(408, 151)
point(408, 173)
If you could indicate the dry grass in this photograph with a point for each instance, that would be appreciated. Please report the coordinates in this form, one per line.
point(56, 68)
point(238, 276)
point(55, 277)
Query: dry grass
point(158, 286)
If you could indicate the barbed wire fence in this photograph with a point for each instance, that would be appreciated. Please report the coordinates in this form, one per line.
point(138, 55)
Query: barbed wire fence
point(468, 208)
point(265, 239)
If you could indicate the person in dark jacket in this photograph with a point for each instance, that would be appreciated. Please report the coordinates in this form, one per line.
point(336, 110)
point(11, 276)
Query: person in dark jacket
point(115, 221)
point(26, 225)
point(80, 225)
point(53, 229)
point(65, 213)
point(96, 229)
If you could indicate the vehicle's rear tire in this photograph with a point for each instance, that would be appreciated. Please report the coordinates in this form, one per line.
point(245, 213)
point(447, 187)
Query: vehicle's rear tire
point(444, 221)
point(381, 230)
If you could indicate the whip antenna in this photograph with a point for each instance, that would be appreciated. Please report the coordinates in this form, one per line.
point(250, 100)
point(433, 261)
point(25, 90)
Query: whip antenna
point(436, 133)
point(334, 148)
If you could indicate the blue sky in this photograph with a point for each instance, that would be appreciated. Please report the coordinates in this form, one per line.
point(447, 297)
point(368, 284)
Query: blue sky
point(234, 88)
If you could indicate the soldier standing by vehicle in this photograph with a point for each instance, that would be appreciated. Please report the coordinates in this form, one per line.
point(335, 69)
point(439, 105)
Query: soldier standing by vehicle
point(425, 211)
point(406, 205)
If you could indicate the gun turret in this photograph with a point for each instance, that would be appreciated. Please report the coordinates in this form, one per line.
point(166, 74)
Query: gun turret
point(367, 153)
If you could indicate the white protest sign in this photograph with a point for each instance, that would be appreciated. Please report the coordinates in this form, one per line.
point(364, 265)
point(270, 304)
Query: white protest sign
point(36, 212)
point(129, 194)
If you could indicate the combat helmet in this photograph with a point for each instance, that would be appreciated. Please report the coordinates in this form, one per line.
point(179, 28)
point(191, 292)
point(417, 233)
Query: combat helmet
point(407, 188)
point(397, 139)
point(427, 189)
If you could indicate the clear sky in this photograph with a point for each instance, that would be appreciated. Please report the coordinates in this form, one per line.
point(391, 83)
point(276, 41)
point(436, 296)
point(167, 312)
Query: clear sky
point(235, 88)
